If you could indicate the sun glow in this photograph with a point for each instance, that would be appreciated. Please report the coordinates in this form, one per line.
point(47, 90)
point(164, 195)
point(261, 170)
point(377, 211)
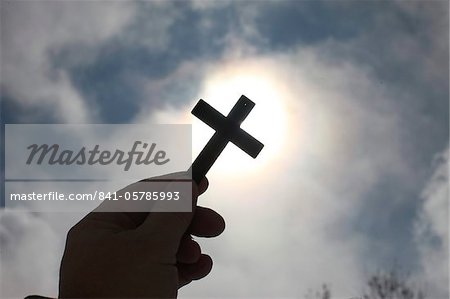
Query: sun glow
point(268, 121)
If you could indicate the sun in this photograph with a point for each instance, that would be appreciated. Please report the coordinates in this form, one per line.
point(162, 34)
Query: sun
point(268, 121)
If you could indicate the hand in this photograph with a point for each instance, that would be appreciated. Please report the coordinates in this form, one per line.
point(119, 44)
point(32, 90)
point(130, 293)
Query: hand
point(140, 254)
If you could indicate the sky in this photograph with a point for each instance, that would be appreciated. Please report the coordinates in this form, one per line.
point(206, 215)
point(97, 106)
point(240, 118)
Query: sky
point(352, 104)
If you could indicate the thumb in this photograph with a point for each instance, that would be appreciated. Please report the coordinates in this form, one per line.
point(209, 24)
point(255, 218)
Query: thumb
point(165, 230)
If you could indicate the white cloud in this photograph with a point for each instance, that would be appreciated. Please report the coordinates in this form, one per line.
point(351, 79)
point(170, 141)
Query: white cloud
point(151, 26)
point(203, 5)
point(29, 259)
point(432, 234)
point(31, 30)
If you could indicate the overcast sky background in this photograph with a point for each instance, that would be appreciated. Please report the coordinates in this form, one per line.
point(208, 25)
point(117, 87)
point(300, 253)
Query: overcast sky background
point(357, 181)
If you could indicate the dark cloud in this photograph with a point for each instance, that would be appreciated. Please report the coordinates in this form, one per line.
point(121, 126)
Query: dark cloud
point(290, 23)
point(389, 231)
point(108, 82)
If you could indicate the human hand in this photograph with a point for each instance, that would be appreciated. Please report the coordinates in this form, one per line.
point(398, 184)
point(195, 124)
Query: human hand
point(138, 254)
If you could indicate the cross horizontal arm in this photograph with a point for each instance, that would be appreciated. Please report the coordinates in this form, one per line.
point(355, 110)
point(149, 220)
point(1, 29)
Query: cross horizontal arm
point(247, 143)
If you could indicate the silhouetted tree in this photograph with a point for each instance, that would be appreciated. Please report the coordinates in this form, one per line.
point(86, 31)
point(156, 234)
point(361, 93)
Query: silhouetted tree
point(391, 286)
point(323, 293)
point(379, 286)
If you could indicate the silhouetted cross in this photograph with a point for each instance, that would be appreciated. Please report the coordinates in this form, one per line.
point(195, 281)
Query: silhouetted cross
point(227, 129)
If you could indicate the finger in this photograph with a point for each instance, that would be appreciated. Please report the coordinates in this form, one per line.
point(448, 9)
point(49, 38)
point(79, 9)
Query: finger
point(183, 281)
point(203, 186)
point(189, 251)
point(206, 223)
point(189, 272)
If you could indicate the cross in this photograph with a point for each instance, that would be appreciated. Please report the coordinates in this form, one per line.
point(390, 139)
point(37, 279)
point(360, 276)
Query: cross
point(227, 129)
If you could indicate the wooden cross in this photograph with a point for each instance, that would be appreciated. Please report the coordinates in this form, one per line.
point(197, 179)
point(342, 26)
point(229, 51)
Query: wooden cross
point(227, 129)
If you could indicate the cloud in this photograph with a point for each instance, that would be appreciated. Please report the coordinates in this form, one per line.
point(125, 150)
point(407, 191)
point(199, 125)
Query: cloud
point(32, 30)
point(29, 259)
point(431, 231)
point(367, 108)
point(150, 26)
